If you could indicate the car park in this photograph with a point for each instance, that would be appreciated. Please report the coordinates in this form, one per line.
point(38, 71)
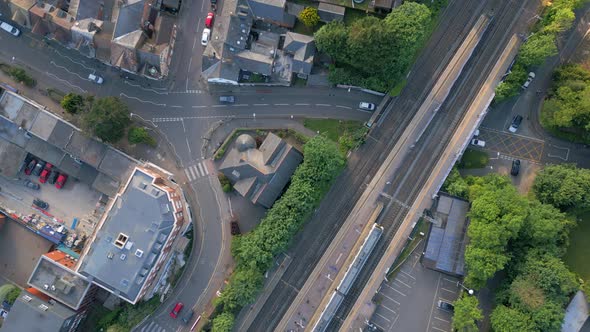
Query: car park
point(176, 310)
point(187, 317)
point(528, 81)
point(9, 28)
point(478, 142)
point(53, 177)
point(205, 37)
point(366, 106)
point(95, 78)
point(61, 181)
point(38, 168)
point(32, 185)
point(30, 167)
point(209, 20)
point(515, 169)
point(444, 305)
point(41, 204)
point(516, 121)
point(227, 99)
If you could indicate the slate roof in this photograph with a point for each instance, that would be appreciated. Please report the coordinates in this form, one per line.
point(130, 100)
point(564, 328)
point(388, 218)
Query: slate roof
point(272, 10)
point(144, 214)
point(445, 248)
point(302, 49)
point(129, 18)
point(11, 159)
point(27, 315)
point(261, 174)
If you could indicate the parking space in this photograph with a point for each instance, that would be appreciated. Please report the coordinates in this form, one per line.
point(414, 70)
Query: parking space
point(513, 145)
point(413, 295)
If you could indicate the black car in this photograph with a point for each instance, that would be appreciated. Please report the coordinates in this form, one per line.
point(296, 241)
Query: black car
point(515, 167)
point(39, 167)
point(52, 177)
point(444, 305)
point(31, 184)
point(187, 317)
point(41, 204)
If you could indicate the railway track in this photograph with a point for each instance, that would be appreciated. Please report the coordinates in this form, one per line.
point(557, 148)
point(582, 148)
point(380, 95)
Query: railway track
point(418, 165)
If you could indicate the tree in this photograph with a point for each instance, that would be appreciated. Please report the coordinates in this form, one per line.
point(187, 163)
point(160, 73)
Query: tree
point(72, 103)
point(482, 264)
point(510, 86)
point(548, 317)
point(223, 322)
point(408, 22)
point(466, 315)
point(455, 184)
point(331, 39)
point(506, 319)
point(536, 49)
point(137, 135)
point(550, 274)
point(309, 16)
point(563, 186)
point(12, 295)
point(108, 118)
point(242, 289)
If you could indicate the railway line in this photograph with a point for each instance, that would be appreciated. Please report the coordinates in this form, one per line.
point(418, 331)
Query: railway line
point(312, 242)
point(418, 165)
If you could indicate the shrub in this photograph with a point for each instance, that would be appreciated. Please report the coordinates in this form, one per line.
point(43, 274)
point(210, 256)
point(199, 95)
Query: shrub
point(12, 295)
point(72, 103)
point(225, 184)
point(138, 135)
point(22, 76)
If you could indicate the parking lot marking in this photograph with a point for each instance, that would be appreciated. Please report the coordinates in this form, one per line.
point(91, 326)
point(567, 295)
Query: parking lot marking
point(449, 280)
point(391, 299)
point(435, 295)
point(383, 317)
point(396, 290)
point(388, 309)
point(403, 283)
point(448, 290)
point(444, 320)
point(409, 275)
point(436, 328)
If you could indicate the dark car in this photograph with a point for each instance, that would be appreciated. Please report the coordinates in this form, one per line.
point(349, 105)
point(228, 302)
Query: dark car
point(235, 228)
point(227, 99)
point(444, 305)
point(515, 167)
point(516, 121)
point(41, 204)
point(176, 310)
point(38, 168)
point(31, 184)
point(52, 177)
point(187, 317)
point(30, 167)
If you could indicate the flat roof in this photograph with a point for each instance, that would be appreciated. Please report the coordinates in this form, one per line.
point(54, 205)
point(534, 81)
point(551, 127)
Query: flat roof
point(131, 238)
point(28, 314)
point(11, 159)
point(59, 282)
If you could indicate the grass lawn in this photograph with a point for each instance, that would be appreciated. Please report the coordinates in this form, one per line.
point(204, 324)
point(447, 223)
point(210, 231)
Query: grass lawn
point(333, 128)
point(473, 159)
point(398, 88)
point(579, 251)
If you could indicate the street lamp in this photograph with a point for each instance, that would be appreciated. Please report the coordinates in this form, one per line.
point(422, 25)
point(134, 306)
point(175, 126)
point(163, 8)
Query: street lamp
point(469, 290)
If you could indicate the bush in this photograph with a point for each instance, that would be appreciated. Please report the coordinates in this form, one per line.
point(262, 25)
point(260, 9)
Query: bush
point(223, 322)
point(22, 76)
point(309, 16)
point(138, 135)
point(72, 103)
point(12, 295)
point(225, 184)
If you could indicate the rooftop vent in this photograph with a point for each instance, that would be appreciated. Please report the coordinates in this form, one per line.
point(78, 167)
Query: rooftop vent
point(110, 255)
point(27, 298)
point(123, 256)
point(121, 240)
point(138, 253)
point(129, 245)
point(155, 192)
point(143, 185)
point(125, 282)
point(43, 307)
point(45, 286)
point(53, 288)
point(165, 208)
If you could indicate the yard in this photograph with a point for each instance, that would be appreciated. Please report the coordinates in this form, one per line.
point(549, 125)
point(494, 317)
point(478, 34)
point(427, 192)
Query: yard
point(579, 251)
point(332, 128)
point(473, 159)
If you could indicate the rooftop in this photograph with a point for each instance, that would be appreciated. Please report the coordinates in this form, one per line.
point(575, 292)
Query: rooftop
point(129, 17)
point(576, 314)
point(56, 279)
point(130, 239)
point(31, 314)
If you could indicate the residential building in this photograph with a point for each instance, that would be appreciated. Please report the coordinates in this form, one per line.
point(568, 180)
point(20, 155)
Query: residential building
point(134, 236)
point(329, 12)
point(301, 50)
point(272, 11)
point(260, 174)
point(445, 248)
point(32, 312)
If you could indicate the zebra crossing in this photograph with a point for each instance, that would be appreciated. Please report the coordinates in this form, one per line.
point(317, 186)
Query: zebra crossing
point(153, 327)
point(197, 170)
point(189, 92)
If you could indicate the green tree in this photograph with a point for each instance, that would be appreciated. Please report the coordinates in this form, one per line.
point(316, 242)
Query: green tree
point(12, 295)
point(536, 49)
point(550, 274)
point(455, 184)
point(548, 317)
point(409, 23)
point(506, 319)
point(223, 322)
point(107, 119)
point(332, 40)
point(482, 264)
point(309, 16)
point(21, 75)
point(72, 103)
point(242, 289)
point(137, 135)
point(467, 314)
point(563, 186)
point(511, 85)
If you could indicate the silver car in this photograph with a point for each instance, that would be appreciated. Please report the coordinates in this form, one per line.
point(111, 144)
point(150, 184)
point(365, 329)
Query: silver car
point(367, 106)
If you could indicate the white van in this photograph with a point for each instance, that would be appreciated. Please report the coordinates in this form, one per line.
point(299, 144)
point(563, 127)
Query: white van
point(9, 28)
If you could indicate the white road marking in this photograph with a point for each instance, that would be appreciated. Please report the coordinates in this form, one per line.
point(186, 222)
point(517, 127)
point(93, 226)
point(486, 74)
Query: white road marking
point(301, 104)
point(145, 89)
point(390, 299)
point(199, 106)
point(239, 105)
point(192, 173)
point(435, 295)
point(436, 328)
point(176, 106)
point(141, 100)
point(71, 72)
point(409, 275)
point(444, 320)
point(218, 105)
point(201, 168)
point(449, 280)
point(325, 105)
point(448, 290)
point(395, 290)
point(388, 309)
point(383, 317)
point(188, 145)
point(188, 174)
point(281, 104)
point(345, 107)
point(260, 104)
point(206, 168)
point(65, 81)
point(74, 61)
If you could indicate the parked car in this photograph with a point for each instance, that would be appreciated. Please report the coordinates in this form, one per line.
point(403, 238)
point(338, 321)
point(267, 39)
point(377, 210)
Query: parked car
point(235, 228)
point(444, 305)
point(226, 99)
point(176, 310)
point(209, 20)
point(95, 78)
point(515, 167)
point(61, 181)
point(516, 121)
point(367, 106)
point(214, 5)
point(478, 142)
point(39, 167)
point(30, 167)
point(476, 133)
point(529, 79)
point(187, 317)
point(53, 177)
point(205, 37)
point(44, 175)
point(41, 204)
point(31, 184)
point(9, 28)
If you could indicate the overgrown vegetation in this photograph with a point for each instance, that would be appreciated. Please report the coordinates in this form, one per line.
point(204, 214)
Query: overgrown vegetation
point(21, 76)
point(523, 237)
point(107, 119)
point(225, 183)
point(473, 159)
point(74, 103)
point(126, 316)
point(557, 17)
point(12, 295)
point(375, 53)
point(137, 135)
point(254, 252)
point(567, 107)
point(467, 314)
point(348, 134)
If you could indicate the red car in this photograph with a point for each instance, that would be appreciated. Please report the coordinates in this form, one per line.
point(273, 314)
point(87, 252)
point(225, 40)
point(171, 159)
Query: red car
point(30, 167)
point(174, 313)
point(209, 20)
point(44, 175)
point(61, 181)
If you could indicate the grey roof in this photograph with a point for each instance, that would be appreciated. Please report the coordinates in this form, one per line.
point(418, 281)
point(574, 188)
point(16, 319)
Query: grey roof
point(245, 142)
point(129, 17)
point(88, 150)
point(576, 314)
point(302, 48)
point(144, 215)
point(445, 249)
point(45, 151)
point(64, 285)
point(60, 136)
point(331, 8)
point(11, 159)
point(44, 125)
point(272, 10)
point(84, 9)
point(27, 315)
point(254, 62)
point(116, 164)
point(261, 174)
point(106, 184)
